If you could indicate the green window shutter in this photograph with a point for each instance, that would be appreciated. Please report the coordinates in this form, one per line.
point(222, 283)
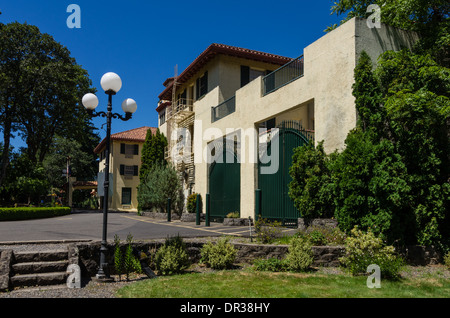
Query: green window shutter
point(122, 148)
point(136, 149)
point(136, 171)
point(245, 75)
point(122, 170)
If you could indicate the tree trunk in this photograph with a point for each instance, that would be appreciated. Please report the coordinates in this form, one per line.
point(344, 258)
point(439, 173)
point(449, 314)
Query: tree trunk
point(7, 125)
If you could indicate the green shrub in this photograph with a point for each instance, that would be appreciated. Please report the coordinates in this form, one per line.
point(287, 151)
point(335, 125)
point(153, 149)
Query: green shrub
point(320, 236)
point(447, 260)
point(271, 265)
point(219, 255)
point(266, 231)
point(14, 214)
point(235, 215)
point(192, 203)
point(172, 257)
point(160, 183)
point(363, 249)
point(300, 255)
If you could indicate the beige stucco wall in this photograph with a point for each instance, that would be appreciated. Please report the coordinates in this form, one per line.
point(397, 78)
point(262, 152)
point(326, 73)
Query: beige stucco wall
point(327, 83)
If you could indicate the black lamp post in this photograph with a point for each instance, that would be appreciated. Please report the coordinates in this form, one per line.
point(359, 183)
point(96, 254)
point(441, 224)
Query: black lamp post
point(111, 84)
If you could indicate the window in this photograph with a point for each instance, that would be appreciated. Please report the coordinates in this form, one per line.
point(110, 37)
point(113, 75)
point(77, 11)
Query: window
point(126, 195)
point(202, 85)
point(248, 74)
point(162, 117)
point(129, 150)
point(129, 171)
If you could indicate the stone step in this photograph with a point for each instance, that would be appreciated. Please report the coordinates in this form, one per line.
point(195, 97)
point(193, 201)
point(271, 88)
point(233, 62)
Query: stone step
point(40, 256)
point(39, 279)
point(40, 267)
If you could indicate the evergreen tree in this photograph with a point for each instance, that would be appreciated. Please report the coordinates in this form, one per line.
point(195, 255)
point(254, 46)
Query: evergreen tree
point(152, 152)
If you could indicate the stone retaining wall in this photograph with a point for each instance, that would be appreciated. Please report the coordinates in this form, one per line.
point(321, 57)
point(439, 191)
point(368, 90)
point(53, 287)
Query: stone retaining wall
point(89, 253)
point(6, 258)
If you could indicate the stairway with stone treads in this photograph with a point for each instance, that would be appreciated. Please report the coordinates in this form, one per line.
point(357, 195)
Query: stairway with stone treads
point(39, 268)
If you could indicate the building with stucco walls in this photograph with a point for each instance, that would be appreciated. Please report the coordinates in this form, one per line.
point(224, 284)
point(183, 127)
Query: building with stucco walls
point(234, 116)
point(124, 165)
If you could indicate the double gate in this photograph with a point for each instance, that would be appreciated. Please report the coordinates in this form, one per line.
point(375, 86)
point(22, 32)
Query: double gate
point(275, 202)
point(225, 176)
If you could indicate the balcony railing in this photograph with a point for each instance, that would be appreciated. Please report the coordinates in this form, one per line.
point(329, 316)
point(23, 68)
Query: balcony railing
point(282, 76)
point(181, 109)
point(224, 109)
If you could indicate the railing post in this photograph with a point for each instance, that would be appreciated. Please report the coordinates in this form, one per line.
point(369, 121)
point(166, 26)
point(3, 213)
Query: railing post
point(197, 210)
point(257, 203)
point(207, 210)
point(169, 203)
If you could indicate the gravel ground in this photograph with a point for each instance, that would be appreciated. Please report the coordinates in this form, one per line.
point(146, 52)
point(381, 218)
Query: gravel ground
point(89, 289)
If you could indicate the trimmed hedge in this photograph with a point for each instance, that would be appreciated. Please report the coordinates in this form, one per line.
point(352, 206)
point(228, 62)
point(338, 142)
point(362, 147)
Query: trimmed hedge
point(15, 214)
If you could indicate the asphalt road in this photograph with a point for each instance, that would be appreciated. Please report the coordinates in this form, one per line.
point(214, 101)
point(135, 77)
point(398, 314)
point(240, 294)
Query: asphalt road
point(88, 226)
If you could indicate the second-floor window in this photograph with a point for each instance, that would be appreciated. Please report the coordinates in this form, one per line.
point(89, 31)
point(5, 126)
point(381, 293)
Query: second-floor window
point(129, 150)
point(162, 117)
point(202, 85)
point(129, 171)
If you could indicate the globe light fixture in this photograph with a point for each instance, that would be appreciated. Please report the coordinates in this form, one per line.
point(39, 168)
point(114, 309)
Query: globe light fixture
point(129, 105)
point(90, 101)
point(111, 84)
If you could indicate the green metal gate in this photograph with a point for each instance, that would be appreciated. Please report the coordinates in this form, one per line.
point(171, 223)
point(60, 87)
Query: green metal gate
point(225, 184)
point(275, 201)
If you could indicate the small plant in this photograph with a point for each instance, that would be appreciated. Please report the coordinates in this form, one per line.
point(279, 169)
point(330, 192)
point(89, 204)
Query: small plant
point(447, 260)
point(172, 257)
point(319, 236)
point(118, 257)
point(364, 249)
point(234, 215)
point(300, 256)
point(192, 203)
point(271, 265)
point(267, 232)
point(219, 255)
point(124, 260)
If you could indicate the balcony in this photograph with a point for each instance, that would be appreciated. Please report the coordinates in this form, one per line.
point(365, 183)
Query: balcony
point(182, 109)
point(283, 76)
point(224, 109)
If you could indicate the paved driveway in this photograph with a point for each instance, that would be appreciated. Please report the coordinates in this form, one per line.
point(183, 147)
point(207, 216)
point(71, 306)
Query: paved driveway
point(88, 226)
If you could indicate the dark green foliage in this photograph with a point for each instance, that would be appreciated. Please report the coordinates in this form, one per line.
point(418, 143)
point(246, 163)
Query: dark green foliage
point(14, 214)
point(152, 152)
point(371, 188)
point(393, 175)
point(310, 188)
point(161, 182)
point(368, 97)
point(192, 203)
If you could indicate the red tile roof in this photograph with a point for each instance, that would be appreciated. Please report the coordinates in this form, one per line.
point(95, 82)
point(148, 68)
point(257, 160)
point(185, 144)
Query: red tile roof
point(134, 135)
point(211, 52)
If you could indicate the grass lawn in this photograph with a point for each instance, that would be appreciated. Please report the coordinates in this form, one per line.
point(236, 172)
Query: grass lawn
point(247, 283)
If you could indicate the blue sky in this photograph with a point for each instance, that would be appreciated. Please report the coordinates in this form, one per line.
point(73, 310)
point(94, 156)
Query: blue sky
point(142, 41)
